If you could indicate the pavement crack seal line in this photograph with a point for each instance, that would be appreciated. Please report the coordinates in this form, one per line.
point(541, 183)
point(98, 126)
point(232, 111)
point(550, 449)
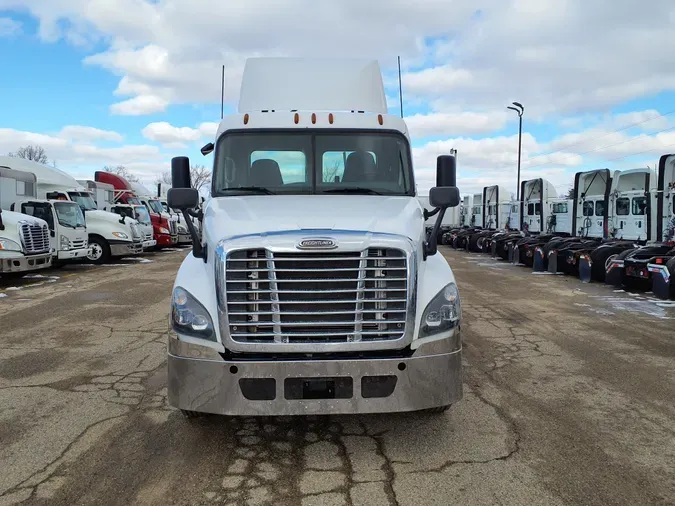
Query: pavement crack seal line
point(54, 464)
point(387, 467)
point(513, 451)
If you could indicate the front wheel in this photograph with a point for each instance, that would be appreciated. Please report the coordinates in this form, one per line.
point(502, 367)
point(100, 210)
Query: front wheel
point(437, 410)
point(99, 250)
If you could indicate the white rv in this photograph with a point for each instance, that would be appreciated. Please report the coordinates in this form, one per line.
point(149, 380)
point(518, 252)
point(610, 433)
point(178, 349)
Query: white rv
point(24, 239)
point(313, 288)
point(83, 230)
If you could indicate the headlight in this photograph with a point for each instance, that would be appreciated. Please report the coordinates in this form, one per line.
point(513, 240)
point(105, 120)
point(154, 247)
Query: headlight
point(120, 235)
point(189, 317)
point(163, 230)
point(442, 313)
point(9, 245)
point(65, 243)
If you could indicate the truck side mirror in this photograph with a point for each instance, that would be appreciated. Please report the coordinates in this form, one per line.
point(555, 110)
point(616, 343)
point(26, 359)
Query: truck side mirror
point(207, 148)
point(180, 172)
point(444, 195)
point(182, 198)
point(185, 199)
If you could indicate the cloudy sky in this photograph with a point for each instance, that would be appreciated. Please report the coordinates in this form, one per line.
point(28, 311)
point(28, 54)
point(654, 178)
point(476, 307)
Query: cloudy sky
point(135, 82)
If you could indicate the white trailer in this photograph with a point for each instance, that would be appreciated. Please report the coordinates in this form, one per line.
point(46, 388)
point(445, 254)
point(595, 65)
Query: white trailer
point(84, 231)
point(313, 288)
point(24, 239)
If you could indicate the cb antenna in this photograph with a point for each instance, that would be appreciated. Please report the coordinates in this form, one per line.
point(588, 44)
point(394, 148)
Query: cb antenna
point(222, 93)
point(400, 87)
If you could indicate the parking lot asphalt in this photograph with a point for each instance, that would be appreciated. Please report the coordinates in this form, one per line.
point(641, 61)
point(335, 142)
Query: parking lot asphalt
point(568, 399)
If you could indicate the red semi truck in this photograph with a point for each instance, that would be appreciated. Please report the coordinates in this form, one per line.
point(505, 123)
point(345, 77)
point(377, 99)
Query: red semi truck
point(164, 230)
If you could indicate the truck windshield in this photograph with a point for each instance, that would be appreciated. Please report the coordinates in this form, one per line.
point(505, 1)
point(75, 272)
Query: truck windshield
point(156, 206)
point(312, 162)
point(84, 199)
point(134, 201)
point(69, 214)
point(141, 215)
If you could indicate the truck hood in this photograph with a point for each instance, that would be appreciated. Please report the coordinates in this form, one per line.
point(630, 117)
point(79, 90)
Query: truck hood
point(259, 214)
point(11, 218)
point(105, 216)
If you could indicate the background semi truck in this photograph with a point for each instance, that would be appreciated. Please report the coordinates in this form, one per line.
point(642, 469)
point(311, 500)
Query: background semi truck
point(313, 287)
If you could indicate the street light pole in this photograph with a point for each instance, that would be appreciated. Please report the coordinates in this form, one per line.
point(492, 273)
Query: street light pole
point(520, 110)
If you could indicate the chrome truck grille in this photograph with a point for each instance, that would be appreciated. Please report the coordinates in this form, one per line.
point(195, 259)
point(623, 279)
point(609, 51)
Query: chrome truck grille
point(35, 238)
point(172, 227)
point(78, 244)
point(315, 298)
point(135, 234)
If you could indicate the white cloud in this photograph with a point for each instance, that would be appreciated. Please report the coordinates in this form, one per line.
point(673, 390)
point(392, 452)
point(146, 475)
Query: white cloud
point(86, 133)
point(454, 123)
point(10, 27)
point(140, 105)
point(175, 137)
point(650, 120)
point(544, 53)
point(71, 155)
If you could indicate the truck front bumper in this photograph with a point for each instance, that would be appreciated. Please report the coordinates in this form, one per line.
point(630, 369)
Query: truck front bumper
point(120, 249)
point(149, 244)
point(200, 379)
point(72, 254)
point(184, 238)
point(166, 239)
point(21, 263)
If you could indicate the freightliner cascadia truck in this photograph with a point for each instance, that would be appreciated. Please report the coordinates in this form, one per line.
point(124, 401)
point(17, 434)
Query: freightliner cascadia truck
point(313, 288)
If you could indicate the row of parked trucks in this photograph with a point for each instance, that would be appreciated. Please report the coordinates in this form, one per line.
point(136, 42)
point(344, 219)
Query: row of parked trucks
point(47, 217)
point(616, 226)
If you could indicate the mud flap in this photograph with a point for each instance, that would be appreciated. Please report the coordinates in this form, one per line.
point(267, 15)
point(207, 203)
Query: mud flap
point(585, 268)
point(553, 262)
point(510, 255)
point(539, 264)
point(614, 273)
point(515, 258)
point(493, 249)
point(661, 281)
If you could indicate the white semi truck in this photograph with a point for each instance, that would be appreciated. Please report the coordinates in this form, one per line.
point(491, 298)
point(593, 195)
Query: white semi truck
point(450, 220)
point(24, 239)
point(313, 288)
point(79, 230)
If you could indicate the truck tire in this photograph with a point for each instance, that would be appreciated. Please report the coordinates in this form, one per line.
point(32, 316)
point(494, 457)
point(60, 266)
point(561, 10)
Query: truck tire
point(191, 415)
point(599, 257)
point(437, 410)
point(99, 250)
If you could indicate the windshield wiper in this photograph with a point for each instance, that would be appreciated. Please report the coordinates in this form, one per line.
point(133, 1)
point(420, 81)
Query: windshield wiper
point(255, 189)
point(353, 189)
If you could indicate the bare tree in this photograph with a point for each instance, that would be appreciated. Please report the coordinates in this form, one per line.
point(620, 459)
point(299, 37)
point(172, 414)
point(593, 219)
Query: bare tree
point(331, 171)
point(35, 153)
point(121, 170)
point(200, 176)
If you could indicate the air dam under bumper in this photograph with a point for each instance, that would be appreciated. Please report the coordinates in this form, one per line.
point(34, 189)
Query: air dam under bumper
point(122, 248)
point(431, 377)
point(21, 263)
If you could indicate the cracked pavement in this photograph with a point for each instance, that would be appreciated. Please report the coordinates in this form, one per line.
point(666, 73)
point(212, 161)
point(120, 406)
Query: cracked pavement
point(567, 400)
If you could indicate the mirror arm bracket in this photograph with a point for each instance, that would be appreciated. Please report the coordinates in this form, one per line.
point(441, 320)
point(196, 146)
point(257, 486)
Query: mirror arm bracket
point(197, 249)
point(430, 214)
point(431, 244)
